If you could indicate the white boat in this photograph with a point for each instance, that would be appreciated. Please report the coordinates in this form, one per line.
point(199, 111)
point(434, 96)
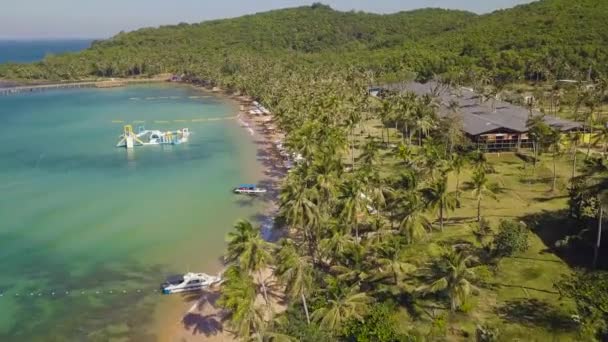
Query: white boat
point(249, 189)
point(188, 282)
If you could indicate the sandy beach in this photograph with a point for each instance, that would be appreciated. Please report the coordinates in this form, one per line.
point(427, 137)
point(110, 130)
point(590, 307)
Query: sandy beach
point(199, 319)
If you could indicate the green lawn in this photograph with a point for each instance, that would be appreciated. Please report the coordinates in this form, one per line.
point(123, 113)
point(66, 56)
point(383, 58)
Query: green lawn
point(518, 296)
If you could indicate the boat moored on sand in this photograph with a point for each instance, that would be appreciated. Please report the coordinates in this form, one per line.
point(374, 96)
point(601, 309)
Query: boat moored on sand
point(188, 282)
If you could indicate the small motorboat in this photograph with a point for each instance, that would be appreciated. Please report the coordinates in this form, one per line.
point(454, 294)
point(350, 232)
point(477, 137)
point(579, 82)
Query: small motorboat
point(188, 282)
point(249, 189)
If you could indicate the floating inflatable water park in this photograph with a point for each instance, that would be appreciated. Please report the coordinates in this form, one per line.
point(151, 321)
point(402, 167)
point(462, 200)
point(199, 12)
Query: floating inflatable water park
point(143, 137)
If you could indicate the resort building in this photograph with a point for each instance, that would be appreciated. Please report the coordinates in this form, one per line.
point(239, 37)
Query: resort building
point(493, 124)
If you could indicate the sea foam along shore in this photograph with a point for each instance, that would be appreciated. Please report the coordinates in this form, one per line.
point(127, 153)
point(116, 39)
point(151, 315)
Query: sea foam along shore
point(204, 320)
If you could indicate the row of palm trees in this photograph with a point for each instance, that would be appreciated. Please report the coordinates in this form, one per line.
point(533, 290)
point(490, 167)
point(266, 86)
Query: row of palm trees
point(349, 223)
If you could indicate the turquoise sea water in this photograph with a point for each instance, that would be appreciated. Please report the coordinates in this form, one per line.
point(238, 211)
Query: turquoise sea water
point(83, 222)
point(32, 51)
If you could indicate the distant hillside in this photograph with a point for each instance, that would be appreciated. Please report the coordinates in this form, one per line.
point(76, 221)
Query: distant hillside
point(550, 38)
point(561, 37)
point(303, 29)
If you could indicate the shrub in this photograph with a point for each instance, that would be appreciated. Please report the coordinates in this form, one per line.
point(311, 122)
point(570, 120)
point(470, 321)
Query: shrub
point(512, 238)
point(583, 203)
point(467, 306)
point(481, 230)
point(295, 325)
point(439, 328)
point(485, 333)
point(378, 326)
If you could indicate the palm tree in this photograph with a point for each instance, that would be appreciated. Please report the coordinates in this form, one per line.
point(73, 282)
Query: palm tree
point(424, 119)
point(405, 153)
point(482, 188)
point(598, 240)
point(538, 131)
point(303, 141)
point(457, 163)
point(596, 175)
point(370, 156)
point(450, 127)
point(334, 247)
point(575, 139)
point(238, 298)
point(295, 272)
point(298, 206)
point(354, 203)
point(354, 118)
point(479, 161)
point(390, 263)
point(354, 267)
point(454, 278)
point(433, 158)
point(601, 137)
point(341, 307)
point(554, 142)
point(386, 114)
point(415, 225)
point(440, 199)
point(248, 250)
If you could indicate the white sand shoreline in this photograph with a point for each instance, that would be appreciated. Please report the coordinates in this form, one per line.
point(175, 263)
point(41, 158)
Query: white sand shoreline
point(201, 320)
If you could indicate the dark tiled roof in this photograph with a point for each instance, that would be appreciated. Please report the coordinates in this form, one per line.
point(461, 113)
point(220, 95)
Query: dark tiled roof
point(480, 118)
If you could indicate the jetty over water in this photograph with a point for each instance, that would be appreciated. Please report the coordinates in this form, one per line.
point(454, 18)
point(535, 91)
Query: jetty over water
point(93, 84)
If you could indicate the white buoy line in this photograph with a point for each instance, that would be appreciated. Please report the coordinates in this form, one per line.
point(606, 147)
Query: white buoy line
point(75, 293)
point(150, 98)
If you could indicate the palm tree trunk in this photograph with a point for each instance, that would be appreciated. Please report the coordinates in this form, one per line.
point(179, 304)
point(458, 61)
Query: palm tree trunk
point(357, 230)
point(305, 307)
point(441, 216)
point(479, 209)
point(352, 147)
point(590, 133)
point(535, 148)
point(457, 184)
point(264, 291)
point(574, 162)
point(554, 173)
point(396, 126)
point(598, 241)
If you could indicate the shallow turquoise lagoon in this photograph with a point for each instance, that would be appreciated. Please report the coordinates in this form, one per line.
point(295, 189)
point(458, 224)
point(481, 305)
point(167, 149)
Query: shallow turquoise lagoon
point(87, 230)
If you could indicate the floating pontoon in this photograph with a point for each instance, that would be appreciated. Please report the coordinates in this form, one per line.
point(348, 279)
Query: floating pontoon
point(188, 282)
point(249, 189)
point(145, 137)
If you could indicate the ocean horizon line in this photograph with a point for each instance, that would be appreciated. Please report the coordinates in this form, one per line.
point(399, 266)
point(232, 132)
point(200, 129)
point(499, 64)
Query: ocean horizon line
point(47, 39)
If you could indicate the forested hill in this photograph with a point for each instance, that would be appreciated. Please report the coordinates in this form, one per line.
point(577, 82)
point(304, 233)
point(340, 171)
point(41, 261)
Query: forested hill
point(545, 39)
point(561, 37)
point(308, 29)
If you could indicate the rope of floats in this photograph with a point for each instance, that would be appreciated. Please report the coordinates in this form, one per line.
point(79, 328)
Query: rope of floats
point(220, 118)
point(63, 294)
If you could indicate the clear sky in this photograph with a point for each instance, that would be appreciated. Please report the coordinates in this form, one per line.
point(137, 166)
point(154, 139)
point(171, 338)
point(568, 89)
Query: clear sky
point(23, 19)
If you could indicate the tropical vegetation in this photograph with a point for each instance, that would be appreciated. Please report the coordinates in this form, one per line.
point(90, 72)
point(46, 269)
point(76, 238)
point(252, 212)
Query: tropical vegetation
point(395, 227)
